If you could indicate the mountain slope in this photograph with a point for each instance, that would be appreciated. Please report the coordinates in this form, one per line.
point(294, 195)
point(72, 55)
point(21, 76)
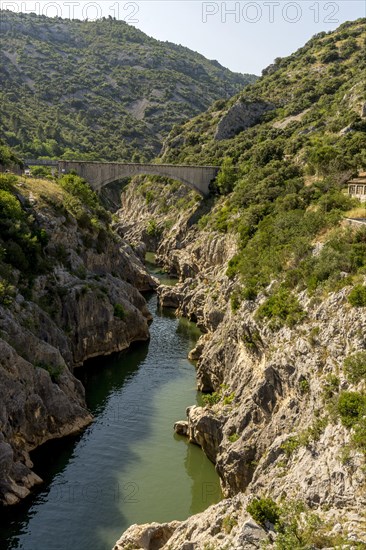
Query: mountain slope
point(102, 90)
point(322, 86)
point(287, 145)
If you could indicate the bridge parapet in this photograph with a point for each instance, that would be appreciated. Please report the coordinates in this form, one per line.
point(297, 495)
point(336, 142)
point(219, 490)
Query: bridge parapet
point(100, 174)
point(33, 162)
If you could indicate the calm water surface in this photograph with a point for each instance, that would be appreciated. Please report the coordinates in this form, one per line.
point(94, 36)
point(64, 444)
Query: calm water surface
point(128, 466)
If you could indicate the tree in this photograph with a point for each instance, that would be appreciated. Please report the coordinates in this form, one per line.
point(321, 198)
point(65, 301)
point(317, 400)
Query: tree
point(227, 176)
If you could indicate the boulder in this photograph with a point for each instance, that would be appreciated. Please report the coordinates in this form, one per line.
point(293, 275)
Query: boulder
point(181, 427)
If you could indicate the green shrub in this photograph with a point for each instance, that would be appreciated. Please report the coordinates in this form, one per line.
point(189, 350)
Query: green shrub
point(357, 296)
point(228, 523)
point(152, 229)
point(119, 311)
point(313, 336)
point(249, 293)
point(252, 339)
point(7, 157)
point(335, 200)
point(10, 206)
point(330, 386)
point(7, 182)
point(329, 55)
point(78, 187)
point(314, 431)
point(304, 386)
point(17, 255)
point(235, 301)
point(7, 293)
point(232, 269)
point(41, 171)
point(282, 308)
point(290, 445)
point(359, 435)
point(351, 406)
point(355, 367)
point(301, 529)
point(234, 437)
point(263, 510)
point(228, 399)
point(227, 176)
point(54, 371)
point(211, 398)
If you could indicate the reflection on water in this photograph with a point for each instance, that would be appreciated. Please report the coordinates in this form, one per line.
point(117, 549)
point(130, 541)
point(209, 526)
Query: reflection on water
point(157, 271)
point(128, 466)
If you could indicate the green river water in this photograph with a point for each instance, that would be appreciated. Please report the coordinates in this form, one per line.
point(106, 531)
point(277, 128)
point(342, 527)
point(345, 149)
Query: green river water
point(128, 466)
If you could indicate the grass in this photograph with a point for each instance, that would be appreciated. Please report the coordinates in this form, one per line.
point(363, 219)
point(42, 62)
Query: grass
point(228, 523)
point(358, 212)
point(43, 191)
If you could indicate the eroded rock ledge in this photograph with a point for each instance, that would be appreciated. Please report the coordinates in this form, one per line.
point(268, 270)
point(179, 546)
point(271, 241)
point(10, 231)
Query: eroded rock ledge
point(206, 530)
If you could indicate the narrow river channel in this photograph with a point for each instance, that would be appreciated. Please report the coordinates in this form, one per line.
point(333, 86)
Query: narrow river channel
point(128, 466)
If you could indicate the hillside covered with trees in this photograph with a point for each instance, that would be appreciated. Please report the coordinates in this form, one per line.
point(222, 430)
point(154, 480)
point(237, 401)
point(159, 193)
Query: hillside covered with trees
point(98, 90)
point(282, 180)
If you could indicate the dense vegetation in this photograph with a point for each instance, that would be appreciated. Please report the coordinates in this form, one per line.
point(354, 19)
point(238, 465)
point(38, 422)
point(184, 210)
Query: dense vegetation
point(24, 250)
point(296, 526)
point(98, 90)
point(7, 157)
point(282, 184)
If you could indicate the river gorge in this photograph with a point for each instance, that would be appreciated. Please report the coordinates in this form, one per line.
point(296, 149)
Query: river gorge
point(128, 466)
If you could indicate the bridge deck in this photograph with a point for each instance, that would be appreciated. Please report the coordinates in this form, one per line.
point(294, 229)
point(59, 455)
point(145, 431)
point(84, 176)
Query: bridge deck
point(98, 174)
point(42, 162)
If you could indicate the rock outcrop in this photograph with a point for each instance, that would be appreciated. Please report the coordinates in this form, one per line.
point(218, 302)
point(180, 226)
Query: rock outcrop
point(239, 117)
point(225, 525)
point(274, 394)
point(33, 410)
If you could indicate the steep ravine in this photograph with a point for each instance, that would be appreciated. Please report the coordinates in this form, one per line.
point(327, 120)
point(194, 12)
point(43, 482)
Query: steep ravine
point(270, 433)
point(85, 303)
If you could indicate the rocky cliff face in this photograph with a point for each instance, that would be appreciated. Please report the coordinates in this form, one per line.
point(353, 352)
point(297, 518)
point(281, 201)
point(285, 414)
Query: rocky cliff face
point(271, 429)
point(86, 303)
point(34, 408)
point(206, 530)
point(239, 117)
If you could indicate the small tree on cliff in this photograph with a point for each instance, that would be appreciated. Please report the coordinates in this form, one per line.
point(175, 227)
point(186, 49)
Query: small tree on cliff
point(226, 177)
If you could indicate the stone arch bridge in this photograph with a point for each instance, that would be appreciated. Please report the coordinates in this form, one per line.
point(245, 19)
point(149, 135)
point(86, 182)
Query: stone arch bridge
point(100, 174)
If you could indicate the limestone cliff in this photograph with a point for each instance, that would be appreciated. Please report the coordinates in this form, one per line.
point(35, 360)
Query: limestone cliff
point(83, 302)
point(271, 427)
point(239, 117)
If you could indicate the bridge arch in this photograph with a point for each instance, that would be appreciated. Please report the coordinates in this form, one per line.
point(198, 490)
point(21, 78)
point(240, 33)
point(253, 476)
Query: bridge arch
point(100, 174)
